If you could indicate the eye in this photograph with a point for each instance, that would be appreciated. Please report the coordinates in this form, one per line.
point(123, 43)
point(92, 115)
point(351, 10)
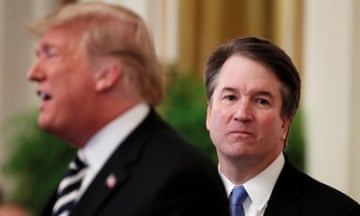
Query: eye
point(262, 101)
point(47, 52)
point(230, 97)
point(50, 52)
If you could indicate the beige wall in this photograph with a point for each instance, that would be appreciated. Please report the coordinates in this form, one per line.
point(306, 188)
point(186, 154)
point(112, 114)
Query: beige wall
point(16, 54)
point(17, 95)
point(331, 67)
point(14, 57)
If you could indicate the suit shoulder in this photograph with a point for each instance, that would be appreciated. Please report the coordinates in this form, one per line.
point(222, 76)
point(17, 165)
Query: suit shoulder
point(316, 196)
point(165, 144)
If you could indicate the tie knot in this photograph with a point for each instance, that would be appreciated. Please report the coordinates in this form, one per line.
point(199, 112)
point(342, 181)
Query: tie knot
point(238, 195)
point(79, 162)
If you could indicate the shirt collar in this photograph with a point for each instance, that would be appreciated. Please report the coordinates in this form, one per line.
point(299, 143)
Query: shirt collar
point(103, 143)
point(259, 188)
point(108, 138)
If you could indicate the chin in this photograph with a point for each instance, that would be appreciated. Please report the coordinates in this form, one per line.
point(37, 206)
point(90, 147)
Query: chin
point(42, 124)
point(241, 150)
point(45, 124)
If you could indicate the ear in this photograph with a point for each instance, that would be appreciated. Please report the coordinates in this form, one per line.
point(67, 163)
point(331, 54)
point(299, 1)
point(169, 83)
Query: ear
point(208, 113)
point(107, 77)
point(285, 127)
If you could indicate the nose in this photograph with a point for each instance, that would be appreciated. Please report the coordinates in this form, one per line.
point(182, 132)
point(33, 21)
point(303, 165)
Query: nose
point(35, 73)
point(243, 111)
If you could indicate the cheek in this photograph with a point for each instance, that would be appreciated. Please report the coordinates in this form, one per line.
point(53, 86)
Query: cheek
point(209, 118)
point(216, 119)
point(78, 84)
point(272, 124)
point(213, 124)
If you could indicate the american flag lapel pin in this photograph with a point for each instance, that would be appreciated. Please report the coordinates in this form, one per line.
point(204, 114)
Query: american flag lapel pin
point(111, 181)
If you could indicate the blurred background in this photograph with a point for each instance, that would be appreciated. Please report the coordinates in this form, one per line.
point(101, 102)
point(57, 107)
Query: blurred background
point(321, 37)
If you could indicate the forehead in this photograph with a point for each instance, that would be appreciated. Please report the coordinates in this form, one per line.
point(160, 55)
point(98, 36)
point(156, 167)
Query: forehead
point(62, 37)
point(246, 74)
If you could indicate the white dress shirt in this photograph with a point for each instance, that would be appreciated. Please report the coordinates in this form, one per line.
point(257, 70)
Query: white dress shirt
point(100, 147)
point(259, 188)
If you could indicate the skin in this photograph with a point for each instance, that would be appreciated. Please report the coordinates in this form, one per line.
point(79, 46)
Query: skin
point(9, 209)
point(80, 98)
point(243, 118)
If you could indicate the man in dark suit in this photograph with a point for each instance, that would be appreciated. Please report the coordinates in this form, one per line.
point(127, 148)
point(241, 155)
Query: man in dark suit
point(253, 91)
point(98, 79)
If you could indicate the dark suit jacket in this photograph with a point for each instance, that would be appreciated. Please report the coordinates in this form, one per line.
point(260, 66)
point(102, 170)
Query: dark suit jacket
point(295, 194)
point(158, 174)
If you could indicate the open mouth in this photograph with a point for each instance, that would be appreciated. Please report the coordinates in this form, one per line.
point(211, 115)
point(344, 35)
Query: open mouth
point(43, 95)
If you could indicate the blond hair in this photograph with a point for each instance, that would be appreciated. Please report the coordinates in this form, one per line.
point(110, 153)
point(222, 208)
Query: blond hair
point(114, 30)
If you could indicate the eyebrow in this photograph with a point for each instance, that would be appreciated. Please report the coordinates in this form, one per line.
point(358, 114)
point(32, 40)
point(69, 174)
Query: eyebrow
point(229, 89)
point(255, 92)
point(42, 46)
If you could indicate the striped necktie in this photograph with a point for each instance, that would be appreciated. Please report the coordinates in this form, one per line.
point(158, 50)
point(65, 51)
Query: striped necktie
point(238, 196)
point(67, 193)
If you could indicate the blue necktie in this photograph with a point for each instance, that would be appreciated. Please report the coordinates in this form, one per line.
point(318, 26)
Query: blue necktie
point(238, 196)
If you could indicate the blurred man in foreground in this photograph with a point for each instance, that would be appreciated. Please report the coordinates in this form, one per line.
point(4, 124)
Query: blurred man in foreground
point(99, 79)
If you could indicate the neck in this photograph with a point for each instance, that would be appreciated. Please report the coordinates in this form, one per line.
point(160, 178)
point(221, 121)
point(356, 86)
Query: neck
point(94, 123)
point(242, 169)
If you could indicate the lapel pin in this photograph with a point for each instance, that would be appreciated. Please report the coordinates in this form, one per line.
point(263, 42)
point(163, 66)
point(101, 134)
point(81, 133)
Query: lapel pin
point(111, 181)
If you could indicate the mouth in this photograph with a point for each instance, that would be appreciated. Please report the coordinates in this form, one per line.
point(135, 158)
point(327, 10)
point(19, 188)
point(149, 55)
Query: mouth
point(240, 132)
point(43, 95)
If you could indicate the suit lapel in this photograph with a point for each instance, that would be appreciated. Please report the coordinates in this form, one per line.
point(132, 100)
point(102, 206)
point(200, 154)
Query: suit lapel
point(115, 172)
point(286, 191)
